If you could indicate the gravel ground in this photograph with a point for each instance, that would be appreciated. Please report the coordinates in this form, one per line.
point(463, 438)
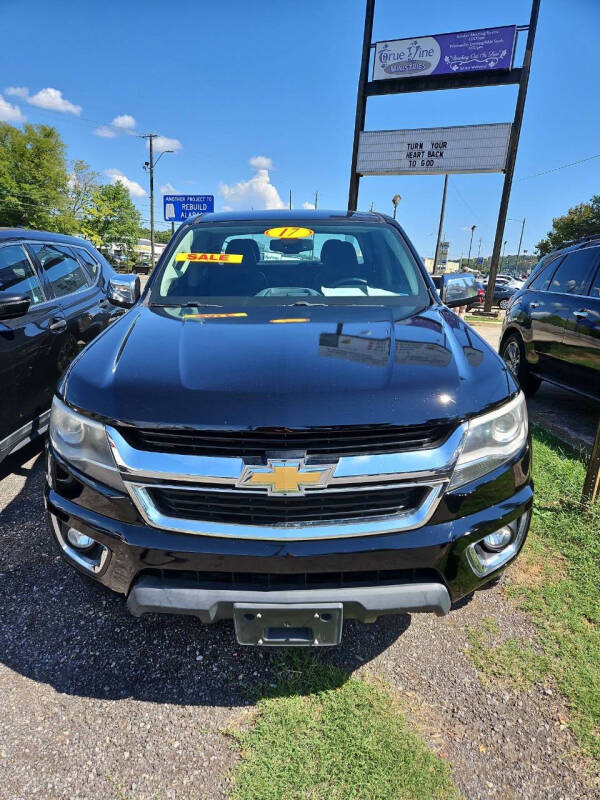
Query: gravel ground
point(96, 704)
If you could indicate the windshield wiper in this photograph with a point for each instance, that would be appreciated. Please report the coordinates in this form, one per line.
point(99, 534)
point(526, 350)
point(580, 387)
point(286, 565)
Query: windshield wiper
point(305, 303)
point(188, 304)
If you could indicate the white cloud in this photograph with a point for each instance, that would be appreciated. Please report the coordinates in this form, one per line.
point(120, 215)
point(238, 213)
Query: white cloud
point(261, 162)
point(308, 205)
point(258, 192)
point(134, 188)
point(106, 131)
point(162, 143)
point(17, 91)
point(168, 188)
point(10, 113)
point(124, 121)
point(52, 100)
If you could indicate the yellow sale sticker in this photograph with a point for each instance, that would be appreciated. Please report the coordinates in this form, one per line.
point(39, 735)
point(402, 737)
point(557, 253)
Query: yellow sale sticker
point(214, 316)
point(212, 258)
point(289, 232)
point(290, 319)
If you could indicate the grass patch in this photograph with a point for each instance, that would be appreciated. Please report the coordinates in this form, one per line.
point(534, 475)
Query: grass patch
point(557, 580)
point(472, 318)
point(512, 662)
point(321, 734)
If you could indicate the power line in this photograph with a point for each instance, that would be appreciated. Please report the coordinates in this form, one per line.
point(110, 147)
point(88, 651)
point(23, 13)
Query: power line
point(556, 169)
point(467, 205)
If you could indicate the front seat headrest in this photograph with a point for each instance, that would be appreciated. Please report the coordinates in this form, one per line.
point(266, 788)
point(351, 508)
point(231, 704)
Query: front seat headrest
point(247, 248)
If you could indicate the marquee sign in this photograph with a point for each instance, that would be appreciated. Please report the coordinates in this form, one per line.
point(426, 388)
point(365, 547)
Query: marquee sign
point(434, 151)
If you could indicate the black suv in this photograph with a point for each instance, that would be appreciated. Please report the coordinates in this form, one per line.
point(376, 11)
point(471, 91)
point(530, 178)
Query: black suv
point(552, 327)
point(56, 294)
point(290, 428)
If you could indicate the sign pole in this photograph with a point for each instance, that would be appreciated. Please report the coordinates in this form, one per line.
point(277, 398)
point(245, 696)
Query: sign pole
point(511, 156)
point(591, 486)
point(439, 236)
point(361, 103)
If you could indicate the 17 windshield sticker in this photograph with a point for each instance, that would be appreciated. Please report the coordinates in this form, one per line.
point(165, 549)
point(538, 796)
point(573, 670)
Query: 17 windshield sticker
point(289, 232)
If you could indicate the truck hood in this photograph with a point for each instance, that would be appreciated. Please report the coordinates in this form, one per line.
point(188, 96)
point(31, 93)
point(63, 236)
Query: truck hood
point(286, 367)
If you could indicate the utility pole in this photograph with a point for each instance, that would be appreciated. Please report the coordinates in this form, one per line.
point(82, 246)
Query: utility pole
point(439, 236)
point(316, 199)
point(470, 245)
point(511, 156)
point(361, 103)
point(149, 165)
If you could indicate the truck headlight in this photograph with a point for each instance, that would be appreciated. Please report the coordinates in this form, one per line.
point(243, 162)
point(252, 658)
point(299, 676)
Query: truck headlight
point(82, 442)
point(491, 440)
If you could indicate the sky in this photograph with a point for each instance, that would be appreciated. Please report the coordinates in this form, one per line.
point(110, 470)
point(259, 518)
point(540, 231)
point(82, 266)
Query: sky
point(258, 97)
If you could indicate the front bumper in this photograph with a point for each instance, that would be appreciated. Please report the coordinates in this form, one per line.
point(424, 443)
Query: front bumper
point(412, 570)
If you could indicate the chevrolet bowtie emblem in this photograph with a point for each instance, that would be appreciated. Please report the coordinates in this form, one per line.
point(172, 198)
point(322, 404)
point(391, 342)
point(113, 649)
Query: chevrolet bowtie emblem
point(287, 476)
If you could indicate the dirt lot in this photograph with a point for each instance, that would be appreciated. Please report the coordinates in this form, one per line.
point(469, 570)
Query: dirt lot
point(99, 705)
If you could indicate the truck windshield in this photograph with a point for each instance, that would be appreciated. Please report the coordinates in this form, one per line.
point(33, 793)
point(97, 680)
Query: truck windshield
point(312, 262)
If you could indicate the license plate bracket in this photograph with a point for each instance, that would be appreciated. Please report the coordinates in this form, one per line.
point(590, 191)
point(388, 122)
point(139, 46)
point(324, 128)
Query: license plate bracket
point(288, 624)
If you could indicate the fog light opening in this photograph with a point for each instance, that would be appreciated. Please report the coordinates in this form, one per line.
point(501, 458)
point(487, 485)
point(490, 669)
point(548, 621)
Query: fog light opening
point(496, 549)
point(79, 540)
point(497, 541)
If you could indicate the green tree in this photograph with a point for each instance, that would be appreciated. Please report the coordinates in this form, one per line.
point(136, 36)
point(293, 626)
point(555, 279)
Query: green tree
point(34, 179)
point(82, 184)
point(580, 221)
point(159, 236)
point(111, 218)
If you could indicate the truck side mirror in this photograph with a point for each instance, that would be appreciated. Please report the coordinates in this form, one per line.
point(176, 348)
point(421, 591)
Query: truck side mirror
point(124, 290)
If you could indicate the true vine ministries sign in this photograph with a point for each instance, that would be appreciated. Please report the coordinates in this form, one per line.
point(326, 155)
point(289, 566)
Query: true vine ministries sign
point(434, 151)
point(445, 53)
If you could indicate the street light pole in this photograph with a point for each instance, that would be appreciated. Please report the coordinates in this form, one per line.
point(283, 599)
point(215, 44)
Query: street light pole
point(520, 243)
point(439, 236)
point(149, 165)
point(470, 245)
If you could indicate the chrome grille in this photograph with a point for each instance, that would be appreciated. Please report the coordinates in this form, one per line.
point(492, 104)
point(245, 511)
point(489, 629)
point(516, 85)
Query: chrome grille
point(253, 508)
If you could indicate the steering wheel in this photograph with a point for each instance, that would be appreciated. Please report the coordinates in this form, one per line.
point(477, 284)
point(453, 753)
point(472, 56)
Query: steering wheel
point(350, 282)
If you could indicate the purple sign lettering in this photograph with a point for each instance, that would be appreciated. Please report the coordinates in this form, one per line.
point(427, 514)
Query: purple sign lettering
point(467, 51)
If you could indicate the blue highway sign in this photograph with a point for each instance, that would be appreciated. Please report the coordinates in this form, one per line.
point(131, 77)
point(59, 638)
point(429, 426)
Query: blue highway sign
point(178, 207)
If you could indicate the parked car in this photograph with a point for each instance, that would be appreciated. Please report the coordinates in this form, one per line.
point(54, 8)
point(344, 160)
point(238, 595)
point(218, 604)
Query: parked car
point(56, 294)
point(142, 268)
point(552, 329)
point(480, 294)
point(503, 292)
point(290, 442)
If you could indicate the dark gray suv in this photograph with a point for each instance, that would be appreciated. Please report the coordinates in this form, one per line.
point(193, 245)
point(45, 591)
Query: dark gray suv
point(552, 327)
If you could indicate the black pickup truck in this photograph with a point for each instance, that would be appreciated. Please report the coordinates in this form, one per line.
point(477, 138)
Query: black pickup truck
point(289, 428)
